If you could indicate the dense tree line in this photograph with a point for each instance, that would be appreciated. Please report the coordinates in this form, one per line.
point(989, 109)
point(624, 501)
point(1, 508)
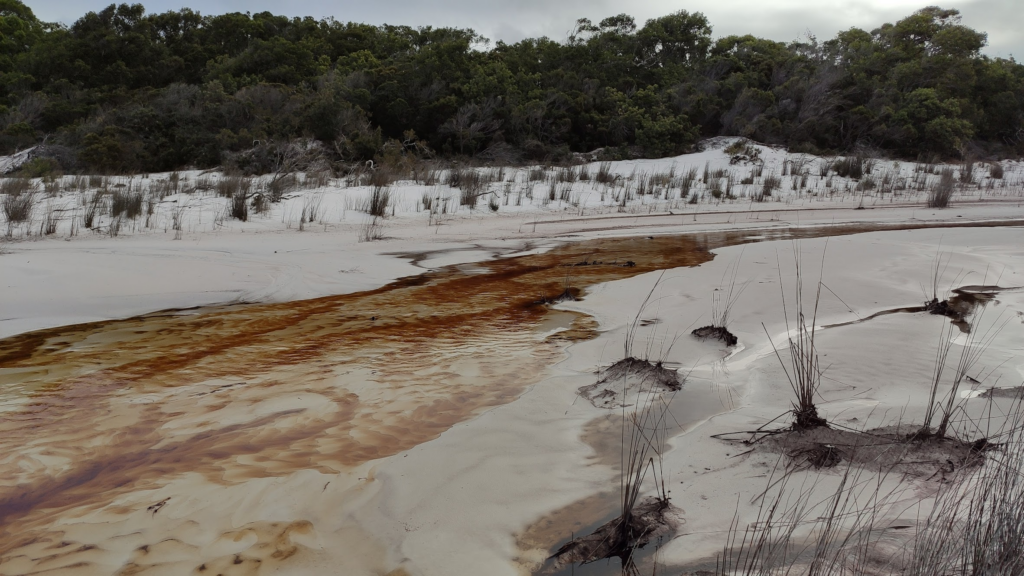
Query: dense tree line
point(123, 90)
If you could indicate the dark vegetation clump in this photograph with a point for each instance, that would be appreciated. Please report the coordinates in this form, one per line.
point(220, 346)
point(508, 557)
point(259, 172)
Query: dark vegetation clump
point(716, 333)
point(239, 206)
point(803, 370)
point(722, 301)
point(127, 203)
point(378, 204)
point(942, 308)
point(17, 208)
point(940, 194)
point(621, 537)
point(849, 167)
point(180, 89)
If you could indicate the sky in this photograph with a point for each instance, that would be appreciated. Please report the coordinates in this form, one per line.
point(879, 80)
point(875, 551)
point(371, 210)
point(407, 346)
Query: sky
point(513, 20)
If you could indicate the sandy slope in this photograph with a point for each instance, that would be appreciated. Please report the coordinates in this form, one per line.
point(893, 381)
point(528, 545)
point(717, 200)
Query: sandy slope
point(77, 275)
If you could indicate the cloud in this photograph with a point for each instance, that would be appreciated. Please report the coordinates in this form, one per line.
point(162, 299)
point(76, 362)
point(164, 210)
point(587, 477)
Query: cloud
point(513, 20)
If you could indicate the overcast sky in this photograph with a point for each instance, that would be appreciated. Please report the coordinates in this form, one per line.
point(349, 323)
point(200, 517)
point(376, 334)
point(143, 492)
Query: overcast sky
point(512, 20)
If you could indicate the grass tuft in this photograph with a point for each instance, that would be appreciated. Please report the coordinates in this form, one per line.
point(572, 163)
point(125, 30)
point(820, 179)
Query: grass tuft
point(942, 192)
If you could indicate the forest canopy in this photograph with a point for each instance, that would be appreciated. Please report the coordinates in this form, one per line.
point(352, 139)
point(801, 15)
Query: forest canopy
point(122, 90)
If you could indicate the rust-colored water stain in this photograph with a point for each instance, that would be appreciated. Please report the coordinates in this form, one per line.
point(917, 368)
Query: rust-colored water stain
point(428, 352)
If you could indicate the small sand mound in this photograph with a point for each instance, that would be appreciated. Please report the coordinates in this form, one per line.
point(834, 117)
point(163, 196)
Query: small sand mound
point(651, 518)
point(716, 333)
point(630, 376)
point(888, 448)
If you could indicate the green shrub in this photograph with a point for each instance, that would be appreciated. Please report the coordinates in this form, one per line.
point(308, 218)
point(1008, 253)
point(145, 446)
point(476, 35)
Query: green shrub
point(40, 168)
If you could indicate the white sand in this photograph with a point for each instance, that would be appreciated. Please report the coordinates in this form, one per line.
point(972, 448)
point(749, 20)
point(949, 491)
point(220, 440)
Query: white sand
point(457, 503)
point(80, 275)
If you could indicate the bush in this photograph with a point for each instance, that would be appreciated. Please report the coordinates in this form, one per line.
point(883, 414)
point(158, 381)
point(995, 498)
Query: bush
point(40, 168)
point(113, 150)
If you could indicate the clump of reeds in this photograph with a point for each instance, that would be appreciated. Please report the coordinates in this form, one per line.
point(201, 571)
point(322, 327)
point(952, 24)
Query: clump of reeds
point(380, 176)
point(798, 530)
point(604, 174)
point(53, 186)
point(643, 184)
point(114, 227)
point(722, 301)
point(126, 202)
point(230, 186)
point(686, 181)
point(664, 178)
point(91, 209)
point(426, 174)
point(565, 191)
point(178, 220)
point(15, 186)
point(967, 171)
point(318, 179)
point(17, 207)
point(312, 207)
point(849, 167)
point(976, 526)
point(371, 230)
point(51, 218)
point(260, 203)
point(804, 371)
point(771, 182)
point(942, 192)
point(471, 185)
point(379, 202)
point(239, 207)
point(280, 185)
point(567, 174)
point(977, 341)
